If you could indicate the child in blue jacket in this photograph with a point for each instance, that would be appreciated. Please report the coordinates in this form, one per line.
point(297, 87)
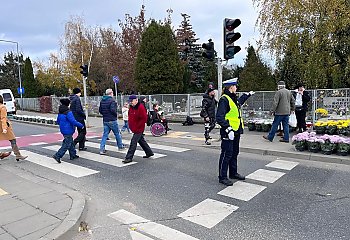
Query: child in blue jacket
point(67, 124)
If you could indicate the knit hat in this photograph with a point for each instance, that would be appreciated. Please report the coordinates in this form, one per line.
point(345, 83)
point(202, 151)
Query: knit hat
point(76, 90)
point(210, 90)
point(132, 97)
point(65, 101)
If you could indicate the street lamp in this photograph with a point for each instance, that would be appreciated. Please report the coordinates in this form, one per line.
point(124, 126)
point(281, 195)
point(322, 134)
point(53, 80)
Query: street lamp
point(19, 69)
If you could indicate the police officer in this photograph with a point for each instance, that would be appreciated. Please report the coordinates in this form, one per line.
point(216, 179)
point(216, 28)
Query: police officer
point(229, 117)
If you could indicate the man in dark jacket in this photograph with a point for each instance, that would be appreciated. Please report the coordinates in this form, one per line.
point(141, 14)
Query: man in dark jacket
point(108, 110)
point(67, 123)
point(208, 113)
point(137, 121)
point(229, 117)
point(302, 98)
point(79, 115)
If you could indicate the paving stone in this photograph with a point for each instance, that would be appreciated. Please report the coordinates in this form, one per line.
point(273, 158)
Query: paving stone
point(34, 191)
point(6, 236)
point(9, 204)
point(40, 233)
point(58, 206)
point(31, 224)
point(1, 231)
point(62, 215)
point(45, 198)
point(17, 214)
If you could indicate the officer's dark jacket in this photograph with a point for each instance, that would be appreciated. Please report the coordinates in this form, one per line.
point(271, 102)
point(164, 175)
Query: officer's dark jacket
point(108, 109)
point(224, 107)
point(77, 108)
point(208, 106)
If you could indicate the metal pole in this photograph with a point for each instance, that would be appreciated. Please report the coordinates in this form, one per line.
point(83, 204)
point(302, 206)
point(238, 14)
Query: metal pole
point(116, 94)
point(188, 105)
point(219, 77)
point(314, 102)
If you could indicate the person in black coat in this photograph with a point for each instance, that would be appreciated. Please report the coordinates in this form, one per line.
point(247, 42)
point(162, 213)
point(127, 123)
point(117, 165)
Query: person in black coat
point(79, 115)
point(302, 98)
point(208, 113)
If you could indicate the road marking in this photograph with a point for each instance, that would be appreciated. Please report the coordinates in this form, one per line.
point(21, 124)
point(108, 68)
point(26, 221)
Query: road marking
point(154, 229)
point(138, 153)
point(265, 175)
point(281, 164)
point(113, 161)
point(93, 136)
point(3, 192)
point(37, 143)
point(5, 148)
point(242, 191)
point(37, 135)
point(168, 148)
point(64, 167)
point(208, 213)
point(138, 236)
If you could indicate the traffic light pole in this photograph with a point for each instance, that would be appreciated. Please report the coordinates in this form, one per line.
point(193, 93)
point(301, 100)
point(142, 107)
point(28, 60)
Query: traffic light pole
point(85, 101)
point(219, 77)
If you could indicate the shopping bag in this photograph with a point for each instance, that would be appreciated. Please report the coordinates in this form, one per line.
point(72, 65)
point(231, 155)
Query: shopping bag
point(292, 120)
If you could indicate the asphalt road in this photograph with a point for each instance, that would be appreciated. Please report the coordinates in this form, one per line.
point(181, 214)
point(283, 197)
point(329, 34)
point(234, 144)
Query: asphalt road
point(310, 201)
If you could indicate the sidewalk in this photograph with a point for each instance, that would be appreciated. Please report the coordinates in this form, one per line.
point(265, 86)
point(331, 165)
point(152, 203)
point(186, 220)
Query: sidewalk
point(36, 208)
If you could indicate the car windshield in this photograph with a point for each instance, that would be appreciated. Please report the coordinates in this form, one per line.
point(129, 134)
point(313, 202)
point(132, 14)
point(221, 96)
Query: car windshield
point(7, 97)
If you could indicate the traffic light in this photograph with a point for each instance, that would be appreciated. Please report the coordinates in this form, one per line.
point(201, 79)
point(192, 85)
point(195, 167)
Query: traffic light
point(84, 70)
point(230, 36)
point(209, 50)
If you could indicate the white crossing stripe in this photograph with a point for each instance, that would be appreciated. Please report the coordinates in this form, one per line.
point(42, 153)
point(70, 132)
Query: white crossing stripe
point(208, 213)
point(242, 191)
point(94, 136)
point(154, 229)
point(265, 175)
point(281, 164)
point(168, 148)
point(138, 153)
point(3, 192)
point(37, 135)
point(37, 143)
point(64, 167)
point(138, 236)
point(5, 148)
point(117, 162)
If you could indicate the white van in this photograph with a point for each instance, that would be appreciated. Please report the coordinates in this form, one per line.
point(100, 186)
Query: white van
point(9, 100)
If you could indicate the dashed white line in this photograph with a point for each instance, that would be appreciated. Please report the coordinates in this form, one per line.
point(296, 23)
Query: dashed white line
point(265, 175)
point(242, 191)
point(281, 164)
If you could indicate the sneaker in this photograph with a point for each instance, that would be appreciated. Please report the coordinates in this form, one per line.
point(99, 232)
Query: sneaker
point(83, 149)
point(127, 160)
point(74, 157)
point(148, 155)
point(207, 143)
point(104, 152)
point(121, 148)
point(226, 182)
point(56, 158)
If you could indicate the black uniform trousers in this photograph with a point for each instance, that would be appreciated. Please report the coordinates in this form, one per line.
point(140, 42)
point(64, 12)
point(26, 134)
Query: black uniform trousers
point(81, 138)
point(228, 157)
point(138, 138)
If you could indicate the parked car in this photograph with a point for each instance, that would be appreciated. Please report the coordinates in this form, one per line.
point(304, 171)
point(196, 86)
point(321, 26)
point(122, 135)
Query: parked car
point(9, 100)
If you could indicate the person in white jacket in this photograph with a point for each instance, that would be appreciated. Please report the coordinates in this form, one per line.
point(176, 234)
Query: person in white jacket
point(125, 112)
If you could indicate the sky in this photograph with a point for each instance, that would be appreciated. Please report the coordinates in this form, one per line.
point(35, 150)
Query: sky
point(37, 25)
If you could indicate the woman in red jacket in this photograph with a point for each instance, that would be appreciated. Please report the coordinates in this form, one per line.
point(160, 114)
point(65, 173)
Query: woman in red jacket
point(137, 121)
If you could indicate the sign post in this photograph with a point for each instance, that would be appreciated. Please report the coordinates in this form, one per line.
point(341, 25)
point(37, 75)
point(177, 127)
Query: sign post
point(116, 81)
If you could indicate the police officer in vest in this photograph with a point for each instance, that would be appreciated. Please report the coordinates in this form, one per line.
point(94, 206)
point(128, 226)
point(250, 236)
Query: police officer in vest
point(229, 117)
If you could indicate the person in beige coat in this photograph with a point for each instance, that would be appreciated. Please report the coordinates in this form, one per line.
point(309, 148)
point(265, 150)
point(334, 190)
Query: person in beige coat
point(6, 133)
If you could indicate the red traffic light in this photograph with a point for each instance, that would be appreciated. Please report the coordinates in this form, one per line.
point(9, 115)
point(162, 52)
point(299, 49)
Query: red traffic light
point(231, 24)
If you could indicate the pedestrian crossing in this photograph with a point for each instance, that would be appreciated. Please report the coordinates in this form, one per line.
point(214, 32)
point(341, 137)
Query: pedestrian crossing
point(209, 212)
point(72, 169)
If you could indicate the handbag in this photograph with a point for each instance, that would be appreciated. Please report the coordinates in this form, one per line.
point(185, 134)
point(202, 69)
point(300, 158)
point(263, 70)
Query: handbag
point(292, 120)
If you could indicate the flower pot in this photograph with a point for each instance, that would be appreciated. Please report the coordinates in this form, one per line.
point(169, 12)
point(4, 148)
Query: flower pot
point(331, 130)
point(266, 127)
point(300, 145)
point(258, 127)
point(327, 148)
point(313, 147)
point(251, 126)
point(320, 129)
point(343, 149)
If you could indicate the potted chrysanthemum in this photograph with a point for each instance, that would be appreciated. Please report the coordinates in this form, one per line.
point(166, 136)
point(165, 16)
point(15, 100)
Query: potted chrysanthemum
point(343, 146)
point(313, 144)
point(300, 141)
point(320, 127)
point(329, 143)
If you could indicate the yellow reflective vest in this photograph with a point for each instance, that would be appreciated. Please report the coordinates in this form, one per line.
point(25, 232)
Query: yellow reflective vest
point(234, 116)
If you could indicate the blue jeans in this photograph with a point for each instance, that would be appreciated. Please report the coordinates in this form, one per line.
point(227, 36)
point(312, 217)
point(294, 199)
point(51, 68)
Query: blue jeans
point(67, 144)
point(107, 127)
point(276, 121)
point(126, 126)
